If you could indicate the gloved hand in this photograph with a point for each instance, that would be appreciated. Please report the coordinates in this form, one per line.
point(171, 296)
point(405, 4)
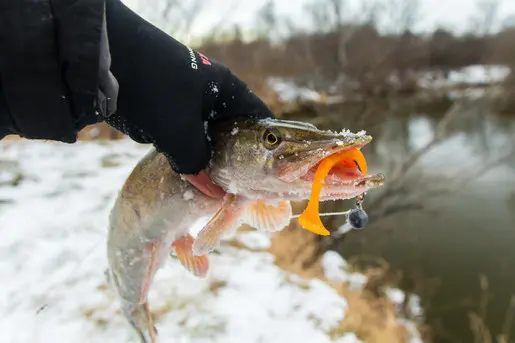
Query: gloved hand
point(168, 93)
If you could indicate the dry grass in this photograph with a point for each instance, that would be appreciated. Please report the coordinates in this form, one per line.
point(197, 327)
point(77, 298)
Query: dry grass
point(371, 315)
point(373, 318)
point(100, 131)
point(11, 138)
point(477, 319)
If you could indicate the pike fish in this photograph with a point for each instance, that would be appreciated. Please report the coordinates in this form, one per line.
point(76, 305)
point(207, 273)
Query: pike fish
point(262, 164)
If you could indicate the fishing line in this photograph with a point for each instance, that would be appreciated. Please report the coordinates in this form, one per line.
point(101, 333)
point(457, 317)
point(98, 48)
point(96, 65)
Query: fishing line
point(326, 214)
point(56, 284)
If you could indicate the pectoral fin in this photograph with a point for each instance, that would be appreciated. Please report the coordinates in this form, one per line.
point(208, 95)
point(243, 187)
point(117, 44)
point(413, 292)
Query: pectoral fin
point(268, 217)
point(228, 218)
point(197, 265)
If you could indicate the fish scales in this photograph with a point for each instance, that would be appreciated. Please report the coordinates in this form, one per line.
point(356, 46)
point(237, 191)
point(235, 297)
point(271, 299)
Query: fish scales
point(263, 164)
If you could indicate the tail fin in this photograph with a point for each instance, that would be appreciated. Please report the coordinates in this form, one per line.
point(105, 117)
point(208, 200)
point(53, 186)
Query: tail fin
point(140, 318)
point(138, 315)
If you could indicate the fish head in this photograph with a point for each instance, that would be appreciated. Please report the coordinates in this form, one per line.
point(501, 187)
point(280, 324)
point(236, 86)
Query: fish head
point(277, 159)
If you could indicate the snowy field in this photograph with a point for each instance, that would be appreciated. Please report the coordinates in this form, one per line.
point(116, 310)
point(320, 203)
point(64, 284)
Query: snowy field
point(54, 203)
point(468, 76)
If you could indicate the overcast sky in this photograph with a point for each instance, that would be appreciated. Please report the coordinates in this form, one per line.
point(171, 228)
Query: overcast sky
point(454, 14)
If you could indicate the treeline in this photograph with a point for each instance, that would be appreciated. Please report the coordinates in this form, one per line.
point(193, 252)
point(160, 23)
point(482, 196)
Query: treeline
point(359, 57)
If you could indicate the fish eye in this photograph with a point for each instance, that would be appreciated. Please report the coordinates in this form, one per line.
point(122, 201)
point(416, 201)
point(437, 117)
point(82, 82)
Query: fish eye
point(272, 137)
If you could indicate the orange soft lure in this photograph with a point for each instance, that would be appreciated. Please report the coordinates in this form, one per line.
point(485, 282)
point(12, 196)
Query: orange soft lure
point(310, 218)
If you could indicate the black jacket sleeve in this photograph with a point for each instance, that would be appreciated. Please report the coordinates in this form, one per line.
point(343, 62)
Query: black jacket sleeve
point(54, 67)
point(61, 63)
point(168, 92)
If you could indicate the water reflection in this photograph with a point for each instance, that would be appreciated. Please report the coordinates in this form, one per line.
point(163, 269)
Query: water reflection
point(461, 235)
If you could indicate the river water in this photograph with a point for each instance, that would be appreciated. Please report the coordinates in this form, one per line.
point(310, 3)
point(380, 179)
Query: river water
point(442, 251)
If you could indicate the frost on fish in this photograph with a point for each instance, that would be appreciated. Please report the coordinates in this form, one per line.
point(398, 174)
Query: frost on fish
point(188, 195)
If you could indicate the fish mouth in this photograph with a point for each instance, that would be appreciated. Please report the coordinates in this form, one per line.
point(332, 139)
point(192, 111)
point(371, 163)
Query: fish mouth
point(347, 179)
point(346, 184)
point(307, 155)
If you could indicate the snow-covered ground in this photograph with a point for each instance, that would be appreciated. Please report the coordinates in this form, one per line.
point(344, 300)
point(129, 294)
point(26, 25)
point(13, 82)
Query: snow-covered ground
point(288, 91)
point(469, 76)
point(54, 203)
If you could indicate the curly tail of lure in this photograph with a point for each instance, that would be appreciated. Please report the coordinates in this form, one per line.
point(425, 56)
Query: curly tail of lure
point(310, 219)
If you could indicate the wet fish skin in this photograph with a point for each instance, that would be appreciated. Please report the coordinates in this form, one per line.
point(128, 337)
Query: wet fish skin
point(156, 207)
point(149, 214)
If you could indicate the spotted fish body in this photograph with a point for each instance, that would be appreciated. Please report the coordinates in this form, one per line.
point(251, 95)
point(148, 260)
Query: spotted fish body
point(262, 164)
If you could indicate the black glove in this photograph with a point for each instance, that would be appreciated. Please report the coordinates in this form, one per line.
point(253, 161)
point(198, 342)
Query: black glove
point(168, 91)
point(52, 80)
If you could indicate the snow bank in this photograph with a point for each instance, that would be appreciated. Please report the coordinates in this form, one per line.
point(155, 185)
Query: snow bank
point(337, 270)
point(289, 91)
point(469, 76)
point(466, 82)
point(54, 203)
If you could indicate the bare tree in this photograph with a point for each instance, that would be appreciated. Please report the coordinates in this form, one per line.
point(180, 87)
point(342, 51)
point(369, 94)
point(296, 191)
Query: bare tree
point(330, 17)
point(320, 15)
point(267, 17)
point(179, 16)
point(370, 11)
point(271, 25)
point(403, 14)
point(342, 35)
point(487, 16)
